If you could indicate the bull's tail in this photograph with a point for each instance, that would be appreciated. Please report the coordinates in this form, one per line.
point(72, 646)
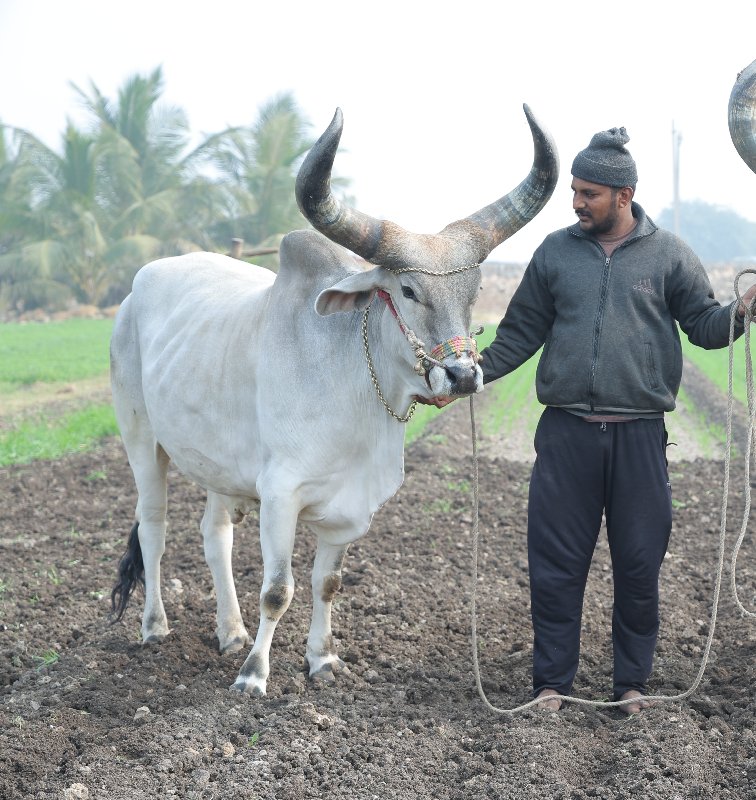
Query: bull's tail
point(130, 575)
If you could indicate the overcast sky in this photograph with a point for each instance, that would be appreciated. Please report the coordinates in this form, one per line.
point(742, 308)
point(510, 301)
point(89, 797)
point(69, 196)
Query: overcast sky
point(432, 92)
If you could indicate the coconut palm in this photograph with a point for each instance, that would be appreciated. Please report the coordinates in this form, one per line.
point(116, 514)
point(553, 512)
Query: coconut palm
point(256, 166)
point(78, 223)
point(67, 246)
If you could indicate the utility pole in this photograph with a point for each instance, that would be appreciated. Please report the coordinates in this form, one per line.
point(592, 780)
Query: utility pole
point(676, 139)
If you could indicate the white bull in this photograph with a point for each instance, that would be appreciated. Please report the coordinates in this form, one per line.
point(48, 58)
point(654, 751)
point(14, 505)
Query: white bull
point(266, 389)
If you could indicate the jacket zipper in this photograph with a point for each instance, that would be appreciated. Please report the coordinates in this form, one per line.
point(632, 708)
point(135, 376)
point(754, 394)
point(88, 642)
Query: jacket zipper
point(597, 325)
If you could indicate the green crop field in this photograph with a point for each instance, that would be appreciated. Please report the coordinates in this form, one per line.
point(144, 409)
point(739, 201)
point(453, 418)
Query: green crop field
point(39, 365)
point(715, 365)
point(57, 352)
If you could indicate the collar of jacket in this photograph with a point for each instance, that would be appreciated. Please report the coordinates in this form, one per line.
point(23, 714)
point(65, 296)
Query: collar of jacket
point(645, 226)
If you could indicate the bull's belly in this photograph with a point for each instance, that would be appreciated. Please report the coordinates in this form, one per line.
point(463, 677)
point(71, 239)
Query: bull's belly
point(213, 474)
point(338, 504)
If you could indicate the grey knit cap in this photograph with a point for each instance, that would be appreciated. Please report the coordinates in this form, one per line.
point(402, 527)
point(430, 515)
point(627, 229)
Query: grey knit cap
point(606, 161)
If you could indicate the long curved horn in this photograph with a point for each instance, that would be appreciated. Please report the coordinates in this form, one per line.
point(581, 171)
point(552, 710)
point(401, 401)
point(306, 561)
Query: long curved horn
point(507, 215)
point(741, 114)
point(364, 235)
point(354, 230)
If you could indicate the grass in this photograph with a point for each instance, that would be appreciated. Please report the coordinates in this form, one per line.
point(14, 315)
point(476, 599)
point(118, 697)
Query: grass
point(53, 438)
point(715, 365)
point(47, 659)
point(35, 362)
point(56, 352)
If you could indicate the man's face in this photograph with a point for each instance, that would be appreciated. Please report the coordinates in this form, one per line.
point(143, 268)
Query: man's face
point(596, 206)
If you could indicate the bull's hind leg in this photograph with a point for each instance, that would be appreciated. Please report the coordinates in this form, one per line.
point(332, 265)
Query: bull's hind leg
point(150, 474)
point(149, 463)
point(326, 582)
point(278, 521)
point(218, 536)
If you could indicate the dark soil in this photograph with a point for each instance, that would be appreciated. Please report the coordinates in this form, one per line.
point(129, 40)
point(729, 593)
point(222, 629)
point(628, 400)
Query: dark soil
point(87, 712)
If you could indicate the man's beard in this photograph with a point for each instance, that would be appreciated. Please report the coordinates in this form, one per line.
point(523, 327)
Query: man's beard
point(606, 225)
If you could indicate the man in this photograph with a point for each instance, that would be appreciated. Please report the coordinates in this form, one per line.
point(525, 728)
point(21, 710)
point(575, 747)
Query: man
point(602, 298)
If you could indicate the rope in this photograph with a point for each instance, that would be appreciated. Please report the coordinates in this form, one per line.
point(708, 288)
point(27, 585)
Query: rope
point(749, 316)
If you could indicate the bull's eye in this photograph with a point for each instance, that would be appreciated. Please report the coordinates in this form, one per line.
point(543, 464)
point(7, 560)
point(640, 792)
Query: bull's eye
point(409, 293)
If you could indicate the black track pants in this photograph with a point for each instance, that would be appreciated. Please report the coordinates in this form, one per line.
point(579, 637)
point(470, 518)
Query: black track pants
point(582, 470)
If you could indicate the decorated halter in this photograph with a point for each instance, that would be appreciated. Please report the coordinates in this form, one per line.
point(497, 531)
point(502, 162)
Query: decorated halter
point(424, 362)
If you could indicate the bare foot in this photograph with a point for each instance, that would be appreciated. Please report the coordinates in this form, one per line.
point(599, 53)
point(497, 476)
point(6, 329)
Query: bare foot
point(634, 708)
point(549, 705)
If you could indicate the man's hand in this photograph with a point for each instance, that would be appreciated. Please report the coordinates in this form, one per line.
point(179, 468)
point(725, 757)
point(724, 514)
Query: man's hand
point(746, 300)
point(439, 402)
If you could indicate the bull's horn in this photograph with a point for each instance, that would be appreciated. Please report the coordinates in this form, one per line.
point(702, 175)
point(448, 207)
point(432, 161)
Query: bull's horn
point(507, 215)
point(742, 115)
point(363, 234)
point(354, 230)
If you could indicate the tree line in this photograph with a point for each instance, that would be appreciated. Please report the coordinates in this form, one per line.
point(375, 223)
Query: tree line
point(76, 224)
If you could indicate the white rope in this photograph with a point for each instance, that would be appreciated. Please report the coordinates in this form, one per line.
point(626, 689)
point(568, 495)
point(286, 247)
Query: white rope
point(747, 318)
point(749, 315)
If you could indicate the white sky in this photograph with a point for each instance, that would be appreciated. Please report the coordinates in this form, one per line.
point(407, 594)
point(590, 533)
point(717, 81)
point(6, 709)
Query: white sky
point(431, 91)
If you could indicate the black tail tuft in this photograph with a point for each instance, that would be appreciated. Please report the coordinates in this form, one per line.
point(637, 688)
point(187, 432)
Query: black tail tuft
point(130, 575)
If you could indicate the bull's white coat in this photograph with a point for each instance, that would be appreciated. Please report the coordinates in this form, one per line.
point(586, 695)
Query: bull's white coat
point(230, 372)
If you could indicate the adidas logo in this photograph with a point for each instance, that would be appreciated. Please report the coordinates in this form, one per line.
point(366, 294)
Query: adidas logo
point(644, 286)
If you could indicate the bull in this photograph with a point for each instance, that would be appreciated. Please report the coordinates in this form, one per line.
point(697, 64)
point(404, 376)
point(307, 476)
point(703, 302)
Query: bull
point(287, 393)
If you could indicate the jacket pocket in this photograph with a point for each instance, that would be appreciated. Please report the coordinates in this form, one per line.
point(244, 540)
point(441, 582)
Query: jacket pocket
point(544, 364)
point(651, 373)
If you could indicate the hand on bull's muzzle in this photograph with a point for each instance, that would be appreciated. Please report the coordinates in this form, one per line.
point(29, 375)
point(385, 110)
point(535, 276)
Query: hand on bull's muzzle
point(439, 402)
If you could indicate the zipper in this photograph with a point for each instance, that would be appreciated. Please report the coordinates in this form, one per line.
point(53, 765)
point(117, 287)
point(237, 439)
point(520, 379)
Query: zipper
point(597, 326)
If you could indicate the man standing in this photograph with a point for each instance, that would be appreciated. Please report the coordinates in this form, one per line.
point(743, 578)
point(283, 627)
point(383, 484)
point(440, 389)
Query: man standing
point(603, 298)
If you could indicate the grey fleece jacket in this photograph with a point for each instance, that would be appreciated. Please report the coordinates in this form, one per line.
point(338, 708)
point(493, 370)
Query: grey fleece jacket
point(608, 325)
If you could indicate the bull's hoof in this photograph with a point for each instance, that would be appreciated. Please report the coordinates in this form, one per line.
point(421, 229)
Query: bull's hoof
point(247, 687)
point(234, 645)
point(153, 639)
point(327, 672)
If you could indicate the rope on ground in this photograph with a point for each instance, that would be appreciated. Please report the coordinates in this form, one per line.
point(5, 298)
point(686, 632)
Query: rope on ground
point(750, 315)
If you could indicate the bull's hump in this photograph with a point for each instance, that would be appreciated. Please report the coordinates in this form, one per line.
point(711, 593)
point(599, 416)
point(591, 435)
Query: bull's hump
point(308, 256)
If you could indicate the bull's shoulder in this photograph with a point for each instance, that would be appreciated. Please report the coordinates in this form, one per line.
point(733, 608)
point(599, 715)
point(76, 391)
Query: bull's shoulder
point(309, 257)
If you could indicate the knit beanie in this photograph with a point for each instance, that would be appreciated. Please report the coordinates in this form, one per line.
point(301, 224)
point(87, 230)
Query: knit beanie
point(606, 161)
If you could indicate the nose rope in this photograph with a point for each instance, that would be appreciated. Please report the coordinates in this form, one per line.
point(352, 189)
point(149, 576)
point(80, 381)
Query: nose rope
point(456, 346)
point(423, 362)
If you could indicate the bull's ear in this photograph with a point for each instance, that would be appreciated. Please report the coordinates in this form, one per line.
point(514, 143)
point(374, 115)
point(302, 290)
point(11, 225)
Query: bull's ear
point(350, 294)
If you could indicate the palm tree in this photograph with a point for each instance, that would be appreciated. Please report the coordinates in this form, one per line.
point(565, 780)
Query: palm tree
point(67, 245)
point(150, 183)
point(256, 167)
point(128, 188)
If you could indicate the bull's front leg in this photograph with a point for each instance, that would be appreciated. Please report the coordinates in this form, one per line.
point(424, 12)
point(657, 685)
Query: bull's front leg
point(326, 581)
point(278, 521)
